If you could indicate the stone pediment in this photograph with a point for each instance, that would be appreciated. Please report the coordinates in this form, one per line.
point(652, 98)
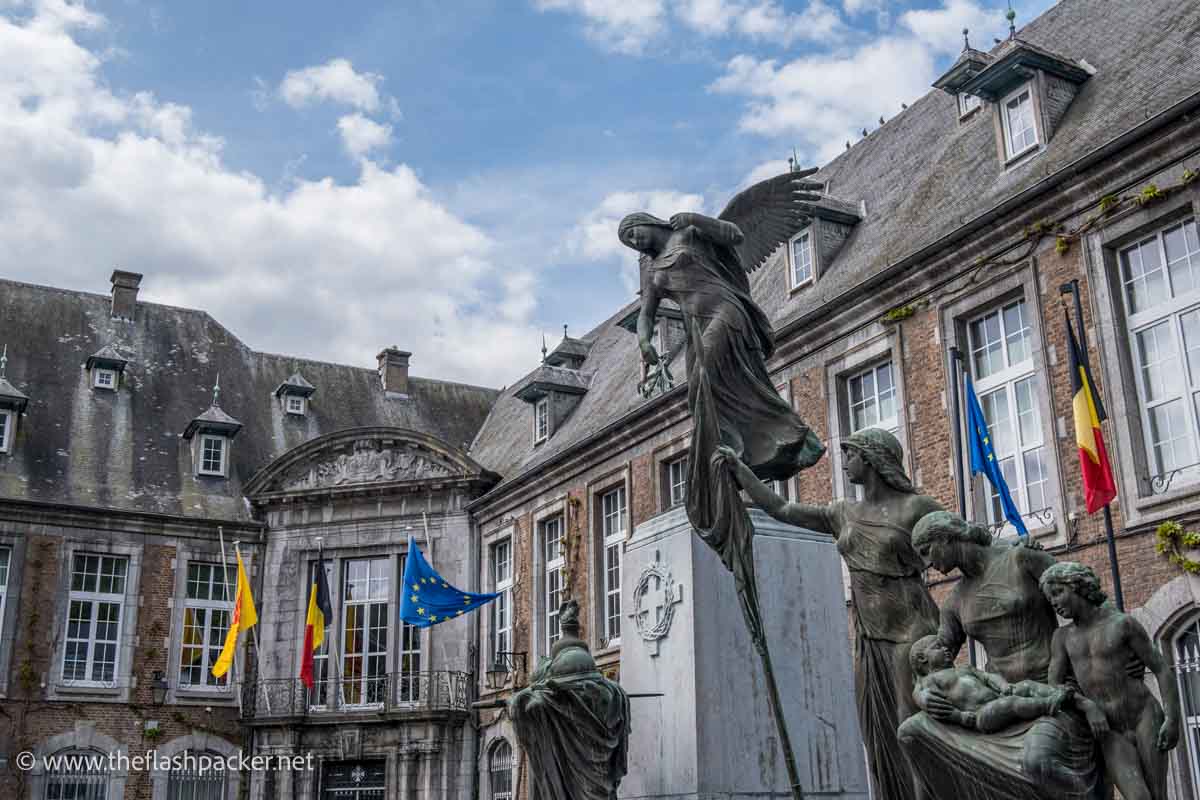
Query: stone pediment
point(367, 463)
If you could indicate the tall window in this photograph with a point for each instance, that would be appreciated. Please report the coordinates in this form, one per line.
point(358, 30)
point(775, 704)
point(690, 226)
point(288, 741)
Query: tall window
point(196, 776)
point(365, 631)
point(1161, 280)
point(613, 522)
point(541, 419)
point(6, 430)
point(502, 581)
point(96, 601)
point(5, 559)
point(409, 679)
point(800, 250)
point(675, 475)
point(206, 609)
point(552, 552)
point(871, 403)
point(1001, 345)
point(500, 769)
point(80, 775)
point(1020, 133)
point(318, 696)
point(212, 455)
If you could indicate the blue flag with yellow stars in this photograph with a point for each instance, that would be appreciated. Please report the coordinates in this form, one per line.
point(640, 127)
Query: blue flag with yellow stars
point(427, 599)
point(983, 459)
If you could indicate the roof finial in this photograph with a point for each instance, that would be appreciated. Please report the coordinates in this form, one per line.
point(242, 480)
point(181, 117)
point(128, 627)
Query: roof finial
point(4, 360)
point(217, 390)
point(564, 330)
point(794, 161)
point(966, 41)
point(543, 347)
point(1011, 15)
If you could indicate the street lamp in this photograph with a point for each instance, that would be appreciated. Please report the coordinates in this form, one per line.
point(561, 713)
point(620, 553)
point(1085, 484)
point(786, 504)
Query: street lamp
point(158, 687)
point(505, 664)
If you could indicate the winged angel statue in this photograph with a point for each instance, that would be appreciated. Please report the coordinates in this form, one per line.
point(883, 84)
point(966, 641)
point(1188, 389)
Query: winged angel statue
point(701, 264)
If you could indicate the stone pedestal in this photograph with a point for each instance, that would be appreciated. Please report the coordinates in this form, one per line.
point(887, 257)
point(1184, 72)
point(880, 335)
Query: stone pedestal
point(711, 736)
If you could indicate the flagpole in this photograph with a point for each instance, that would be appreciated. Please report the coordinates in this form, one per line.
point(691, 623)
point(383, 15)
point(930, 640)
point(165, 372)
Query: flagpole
point(228, 594)
point(253, 632)
point(1072, 287)
point(960, 473)
point(331, 658)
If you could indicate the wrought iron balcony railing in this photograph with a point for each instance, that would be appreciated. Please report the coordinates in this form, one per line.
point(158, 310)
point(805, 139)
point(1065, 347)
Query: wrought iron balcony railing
point(397, 692)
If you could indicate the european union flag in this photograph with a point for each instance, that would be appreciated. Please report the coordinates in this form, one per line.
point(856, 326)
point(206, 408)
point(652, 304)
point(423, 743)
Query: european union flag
point(427, 599)
point(983, 459)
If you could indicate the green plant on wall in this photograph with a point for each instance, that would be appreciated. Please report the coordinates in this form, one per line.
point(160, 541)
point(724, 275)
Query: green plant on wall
point(1173, 542)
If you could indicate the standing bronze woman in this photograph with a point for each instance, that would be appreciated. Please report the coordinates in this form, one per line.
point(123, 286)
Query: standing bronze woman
point(892, 606)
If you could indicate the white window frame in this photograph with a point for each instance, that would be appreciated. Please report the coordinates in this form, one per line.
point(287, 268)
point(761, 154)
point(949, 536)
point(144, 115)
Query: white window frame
point(200, 455)
point(968, 104)
point(1170, 312)
point(6, 565)
point(614, 524)
point(300, 404)
point(210, 645)
point(541, 420)
point(552, 576)
point(95, 598)
point(1006, 379)
point(98, 376)
point(675, 472)
point(1009, 148)
point(368, 684)
point(408, 671)
point(795, 283)
point(501, 565)
point(890, 423)
point(6, 432)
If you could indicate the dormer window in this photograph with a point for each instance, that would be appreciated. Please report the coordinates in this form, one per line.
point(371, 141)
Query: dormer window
point(104, 378)
point(213, 452)
point(541, 420)
point(1020, 131)
point(800, 253)
point(295, 404)
point(7, 426)
point(967, 103)
point(293, 394)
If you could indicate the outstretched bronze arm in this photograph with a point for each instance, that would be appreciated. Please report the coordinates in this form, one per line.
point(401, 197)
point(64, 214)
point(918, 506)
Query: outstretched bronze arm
point(803, 515)
point(716, 229)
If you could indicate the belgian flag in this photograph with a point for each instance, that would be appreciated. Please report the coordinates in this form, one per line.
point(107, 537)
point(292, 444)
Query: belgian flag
point(320, 613)
point(1099, 488)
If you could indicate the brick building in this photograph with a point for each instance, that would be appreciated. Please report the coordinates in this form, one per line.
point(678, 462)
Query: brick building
point(1066, 152)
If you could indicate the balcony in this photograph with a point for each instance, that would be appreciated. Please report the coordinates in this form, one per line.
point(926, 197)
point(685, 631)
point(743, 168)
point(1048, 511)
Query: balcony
point(393, 695)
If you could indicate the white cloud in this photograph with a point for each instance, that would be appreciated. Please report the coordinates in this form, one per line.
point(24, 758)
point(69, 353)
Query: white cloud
point(89, 181)
point(621, 25)
point(334, 81)
point(941, 28)
point(361, 135)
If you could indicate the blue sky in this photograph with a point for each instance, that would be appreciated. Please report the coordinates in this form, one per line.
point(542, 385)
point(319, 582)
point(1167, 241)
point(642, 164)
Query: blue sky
point(445, 176)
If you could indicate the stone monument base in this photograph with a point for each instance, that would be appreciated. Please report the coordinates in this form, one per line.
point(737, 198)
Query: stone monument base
point(711, 736)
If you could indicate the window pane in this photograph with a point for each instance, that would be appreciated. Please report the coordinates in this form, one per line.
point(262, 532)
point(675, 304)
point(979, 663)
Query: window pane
point(1036, 480)
point(1016, 333)
point(1027, 415)
point(1183, 259)
point(1169, 438)
point(1190, 322)
point(1144, 282)
point(998, 415)
point(986, 355)
point(1159, 362)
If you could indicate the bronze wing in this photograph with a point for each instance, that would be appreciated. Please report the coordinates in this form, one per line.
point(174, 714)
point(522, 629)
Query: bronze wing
point(769, 213)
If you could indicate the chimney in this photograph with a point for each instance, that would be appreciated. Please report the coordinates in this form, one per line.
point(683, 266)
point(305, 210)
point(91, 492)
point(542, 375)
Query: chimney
point(393, 369)
point(124, 293)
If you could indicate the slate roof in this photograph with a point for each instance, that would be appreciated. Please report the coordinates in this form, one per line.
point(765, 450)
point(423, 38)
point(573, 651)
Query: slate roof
point(123, 449)
point(921, 175)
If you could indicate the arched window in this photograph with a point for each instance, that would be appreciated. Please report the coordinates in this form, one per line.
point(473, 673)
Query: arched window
point(500, 770)
point(196, 775)
point(78, 775)
point(1186, 647)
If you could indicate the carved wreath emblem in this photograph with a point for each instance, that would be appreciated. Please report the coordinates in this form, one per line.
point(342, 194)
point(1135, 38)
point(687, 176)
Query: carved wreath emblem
point(654, 599)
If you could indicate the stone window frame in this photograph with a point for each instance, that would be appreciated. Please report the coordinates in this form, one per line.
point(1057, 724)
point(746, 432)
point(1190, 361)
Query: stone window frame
point(14, 542)
point(540, 627)
point(863, 350)
point(123, 679)
point(663, 455)
point(504, 588)
point(84, 737)
point(8, 434)
point(490, 736)
point(98, 373)
point(1021, 281)
point(223, 471)
point(198, 741)
point(186, 553)
point(508, 530)
point(597, 488)
point(1139, 505)
point(491, 751)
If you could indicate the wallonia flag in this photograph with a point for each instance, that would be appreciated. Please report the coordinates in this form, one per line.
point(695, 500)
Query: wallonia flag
point(320, 614)
point(1099, 488)
point(245, 617)
point(426, 599)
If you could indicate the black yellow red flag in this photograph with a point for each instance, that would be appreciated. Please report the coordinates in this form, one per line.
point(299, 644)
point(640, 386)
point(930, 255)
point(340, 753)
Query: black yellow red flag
point(1099, 488)
point(320, 614)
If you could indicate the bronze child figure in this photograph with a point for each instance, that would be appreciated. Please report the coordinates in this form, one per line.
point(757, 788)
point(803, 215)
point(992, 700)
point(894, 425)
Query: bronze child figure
point(982, 701)
point(1108, 652)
